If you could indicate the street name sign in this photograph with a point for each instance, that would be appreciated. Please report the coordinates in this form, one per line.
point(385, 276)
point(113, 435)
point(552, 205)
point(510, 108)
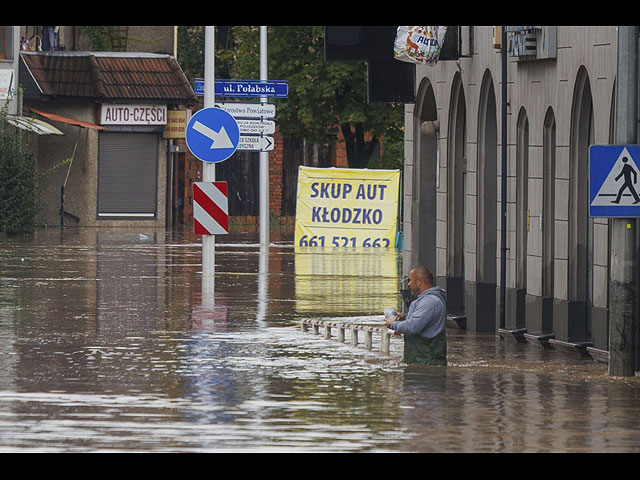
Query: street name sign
point(245, 88)
point(614, 181)
point(212, 135)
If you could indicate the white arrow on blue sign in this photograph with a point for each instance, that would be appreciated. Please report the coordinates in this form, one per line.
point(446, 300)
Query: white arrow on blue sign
point(614, 181)
point(212, 135)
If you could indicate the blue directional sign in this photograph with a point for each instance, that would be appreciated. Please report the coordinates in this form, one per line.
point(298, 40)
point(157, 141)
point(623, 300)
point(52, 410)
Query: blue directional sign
point(212, 135)
point(245, 88)
point(614, 181)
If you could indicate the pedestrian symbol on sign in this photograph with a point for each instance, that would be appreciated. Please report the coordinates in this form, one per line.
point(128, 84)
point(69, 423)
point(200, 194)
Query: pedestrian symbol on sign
point(627, 171)
point(613, 178)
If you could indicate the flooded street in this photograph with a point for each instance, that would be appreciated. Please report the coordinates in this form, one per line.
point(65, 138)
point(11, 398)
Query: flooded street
point(109, 344)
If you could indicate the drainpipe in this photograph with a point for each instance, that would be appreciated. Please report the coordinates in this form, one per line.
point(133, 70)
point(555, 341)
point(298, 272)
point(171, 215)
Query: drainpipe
point(503, 195)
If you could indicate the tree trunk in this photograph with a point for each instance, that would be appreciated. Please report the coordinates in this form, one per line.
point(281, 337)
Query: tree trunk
point(359, 151)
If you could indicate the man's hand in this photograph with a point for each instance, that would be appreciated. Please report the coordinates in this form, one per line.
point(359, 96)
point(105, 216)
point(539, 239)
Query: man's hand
point(399, 316)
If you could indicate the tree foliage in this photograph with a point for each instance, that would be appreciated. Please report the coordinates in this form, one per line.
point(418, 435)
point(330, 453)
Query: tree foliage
point(325, 98)
point(19, 203)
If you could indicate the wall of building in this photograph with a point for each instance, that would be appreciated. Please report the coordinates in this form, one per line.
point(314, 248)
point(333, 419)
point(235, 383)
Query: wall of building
point(53, 154)
point(52, 163)
point(581, 78)
point(141, 38)
point(9, 61)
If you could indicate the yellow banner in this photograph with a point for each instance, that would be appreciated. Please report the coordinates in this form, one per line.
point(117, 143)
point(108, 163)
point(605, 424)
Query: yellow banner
point(176, 124)
point(346, 208)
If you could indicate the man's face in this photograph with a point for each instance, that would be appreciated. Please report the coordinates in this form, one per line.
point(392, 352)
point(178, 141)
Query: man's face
point(414, 283)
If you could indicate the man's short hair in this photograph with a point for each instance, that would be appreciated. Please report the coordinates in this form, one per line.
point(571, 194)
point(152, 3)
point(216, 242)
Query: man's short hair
point(424, 273)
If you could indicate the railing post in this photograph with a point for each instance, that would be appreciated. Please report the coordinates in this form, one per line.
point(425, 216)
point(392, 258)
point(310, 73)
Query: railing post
point(327, 330)
point(354, 336)
point(385, 336)
point(368, 338)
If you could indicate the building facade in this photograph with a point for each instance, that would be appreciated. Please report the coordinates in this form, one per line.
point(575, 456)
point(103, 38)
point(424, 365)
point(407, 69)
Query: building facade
point(9, 42)
point(113, 164)
point(560, 99)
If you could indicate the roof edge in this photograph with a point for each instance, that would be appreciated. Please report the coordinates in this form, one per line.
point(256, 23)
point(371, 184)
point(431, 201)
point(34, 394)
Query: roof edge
point(84, 53)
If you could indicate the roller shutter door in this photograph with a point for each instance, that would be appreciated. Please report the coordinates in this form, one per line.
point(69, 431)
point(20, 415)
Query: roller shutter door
point(127, 175)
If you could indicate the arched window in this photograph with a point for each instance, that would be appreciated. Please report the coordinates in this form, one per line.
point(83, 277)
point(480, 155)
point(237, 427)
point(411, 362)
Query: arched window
point(423, 206)
point(455, 205)
point(580, 286)
point(548, 202)
point(522, 208)
point(457, 153)
point(486, 200)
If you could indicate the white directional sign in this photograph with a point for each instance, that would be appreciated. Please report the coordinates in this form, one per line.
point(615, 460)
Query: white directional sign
point(248, 110)
point(255, 143)
point(253, 124)
point(256, 127)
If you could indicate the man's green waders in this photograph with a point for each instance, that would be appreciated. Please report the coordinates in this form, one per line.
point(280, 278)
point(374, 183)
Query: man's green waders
point(429, 351)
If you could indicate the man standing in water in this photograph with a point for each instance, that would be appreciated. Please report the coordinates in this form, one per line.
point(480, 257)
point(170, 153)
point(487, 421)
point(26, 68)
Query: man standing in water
point(423, 326)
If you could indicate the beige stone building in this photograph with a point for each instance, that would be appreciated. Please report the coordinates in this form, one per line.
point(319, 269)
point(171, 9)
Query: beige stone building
point(560, 100)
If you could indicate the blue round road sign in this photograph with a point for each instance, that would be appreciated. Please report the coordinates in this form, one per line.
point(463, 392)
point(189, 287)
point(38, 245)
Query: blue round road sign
point(212, 135)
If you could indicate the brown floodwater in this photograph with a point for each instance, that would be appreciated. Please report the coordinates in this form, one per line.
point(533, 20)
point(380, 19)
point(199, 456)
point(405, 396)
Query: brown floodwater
point(110, 343)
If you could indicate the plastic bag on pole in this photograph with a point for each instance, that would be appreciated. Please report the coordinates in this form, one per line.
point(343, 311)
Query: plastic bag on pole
point(419, 45)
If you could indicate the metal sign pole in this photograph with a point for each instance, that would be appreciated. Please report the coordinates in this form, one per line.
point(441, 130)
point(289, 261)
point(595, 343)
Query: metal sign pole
point(264, 156)
point(209, 169)
point(623, 283)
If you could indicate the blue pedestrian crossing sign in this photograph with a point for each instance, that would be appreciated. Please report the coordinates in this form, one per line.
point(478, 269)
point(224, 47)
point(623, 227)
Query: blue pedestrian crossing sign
point(614, 181)
point(212, 135)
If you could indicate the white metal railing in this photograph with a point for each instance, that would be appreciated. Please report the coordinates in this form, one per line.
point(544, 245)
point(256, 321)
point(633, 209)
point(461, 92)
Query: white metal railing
point(341, 327)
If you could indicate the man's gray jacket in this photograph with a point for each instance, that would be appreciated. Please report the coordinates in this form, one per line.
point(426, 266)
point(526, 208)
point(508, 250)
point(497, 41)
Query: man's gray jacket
point(426, 316)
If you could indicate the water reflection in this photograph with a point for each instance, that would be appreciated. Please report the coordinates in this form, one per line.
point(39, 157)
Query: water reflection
point(351, 282)
point(109, 342)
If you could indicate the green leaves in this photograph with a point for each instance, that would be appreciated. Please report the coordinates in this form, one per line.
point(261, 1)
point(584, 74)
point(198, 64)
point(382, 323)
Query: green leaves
point(325, 98)
point(18, 184)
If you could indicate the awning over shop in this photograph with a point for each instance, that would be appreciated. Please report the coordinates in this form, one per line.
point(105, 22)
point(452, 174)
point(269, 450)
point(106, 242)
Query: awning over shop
point(34, 125)
point(70, 121)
